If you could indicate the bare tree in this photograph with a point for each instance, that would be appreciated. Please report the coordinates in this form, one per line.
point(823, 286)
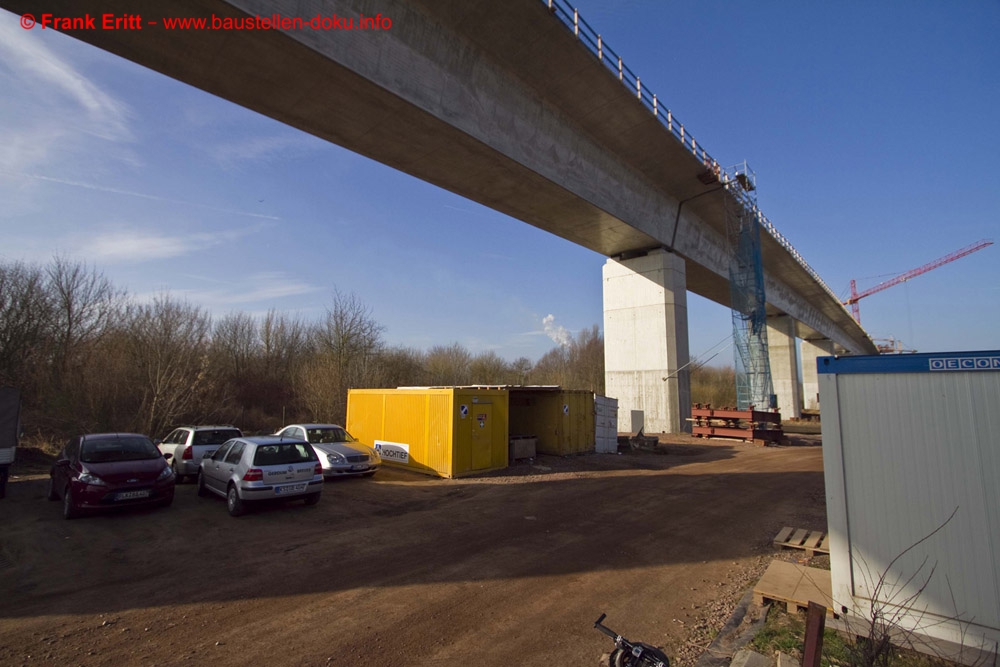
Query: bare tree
point(520, 371)
point(577, 365)
point(257, 361)
point(106, 394)
point(447, 366)
point(401, 366)
point(84, 302)
point(25, 316)
point(285, 343)
point(347, 343)
point(236, 344)
point(489, 368)
point(168, 341)
point(587, 361)
point(322, 389)
point(553, 368)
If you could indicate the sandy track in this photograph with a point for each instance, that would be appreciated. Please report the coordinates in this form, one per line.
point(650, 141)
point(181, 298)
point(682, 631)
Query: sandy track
point(402, 569)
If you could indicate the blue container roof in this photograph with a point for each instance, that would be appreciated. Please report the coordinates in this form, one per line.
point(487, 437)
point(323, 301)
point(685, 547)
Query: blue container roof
point(925, 362)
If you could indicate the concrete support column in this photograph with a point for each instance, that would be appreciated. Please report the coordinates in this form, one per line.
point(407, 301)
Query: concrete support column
point(646, 342)
point(810, 378)
point(784, 359)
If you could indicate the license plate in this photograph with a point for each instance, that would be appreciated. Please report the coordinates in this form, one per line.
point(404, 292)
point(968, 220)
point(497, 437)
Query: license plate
point(294, 488)
point(132, 495)
point(359, 467)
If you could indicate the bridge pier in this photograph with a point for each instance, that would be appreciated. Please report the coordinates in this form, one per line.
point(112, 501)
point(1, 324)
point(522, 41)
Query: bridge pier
point(810, 379)
point(646, 342)
point(784, 359)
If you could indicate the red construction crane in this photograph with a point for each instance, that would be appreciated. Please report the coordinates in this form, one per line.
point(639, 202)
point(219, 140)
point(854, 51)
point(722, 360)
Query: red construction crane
point(912, 273)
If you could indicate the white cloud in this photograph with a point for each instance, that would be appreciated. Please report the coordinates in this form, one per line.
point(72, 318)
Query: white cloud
point(135, 245)
point(254, 149)
point(56, 108)
point(252, 288)
point(556, 332)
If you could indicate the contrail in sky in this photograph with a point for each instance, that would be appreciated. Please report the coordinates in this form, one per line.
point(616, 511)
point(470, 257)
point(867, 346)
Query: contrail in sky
point(102, 188)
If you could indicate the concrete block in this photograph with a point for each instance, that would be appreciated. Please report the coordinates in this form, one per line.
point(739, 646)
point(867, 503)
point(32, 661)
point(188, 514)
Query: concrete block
point(747, 658)
point(785, 660)
point(522, 447)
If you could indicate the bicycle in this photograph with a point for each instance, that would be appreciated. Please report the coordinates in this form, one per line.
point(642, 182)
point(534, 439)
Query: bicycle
point(631, 654)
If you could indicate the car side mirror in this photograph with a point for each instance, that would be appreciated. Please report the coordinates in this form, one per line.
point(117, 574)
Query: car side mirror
point(168, 456)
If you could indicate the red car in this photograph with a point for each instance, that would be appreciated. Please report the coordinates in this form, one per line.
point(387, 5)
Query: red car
point(104, 470)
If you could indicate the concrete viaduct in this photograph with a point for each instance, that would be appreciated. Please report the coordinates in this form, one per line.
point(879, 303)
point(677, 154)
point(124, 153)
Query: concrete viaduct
point(504, 103)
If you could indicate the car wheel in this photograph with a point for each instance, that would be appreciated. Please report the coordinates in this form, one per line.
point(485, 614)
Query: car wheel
point(50, 490)
point(312, 498)
point(178, 477)
point(202, 491)
point(70, 510)
point(233, 501)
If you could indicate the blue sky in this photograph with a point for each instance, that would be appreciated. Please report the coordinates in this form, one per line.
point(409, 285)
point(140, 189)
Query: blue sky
point(872, 127)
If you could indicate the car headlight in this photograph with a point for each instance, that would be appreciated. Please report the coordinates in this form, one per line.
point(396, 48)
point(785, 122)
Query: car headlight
point(93, 480)
point(166, 473)
point(334, 457)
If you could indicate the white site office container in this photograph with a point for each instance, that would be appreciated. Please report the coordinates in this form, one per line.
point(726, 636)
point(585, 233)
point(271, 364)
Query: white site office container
point(605, 425)
point(908, 440)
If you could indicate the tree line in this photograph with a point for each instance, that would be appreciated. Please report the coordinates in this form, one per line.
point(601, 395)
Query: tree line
point(89, 357)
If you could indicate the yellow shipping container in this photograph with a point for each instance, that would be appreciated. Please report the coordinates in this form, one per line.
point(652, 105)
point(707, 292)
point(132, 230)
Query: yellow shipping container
point(561, 419)
point(448, 432)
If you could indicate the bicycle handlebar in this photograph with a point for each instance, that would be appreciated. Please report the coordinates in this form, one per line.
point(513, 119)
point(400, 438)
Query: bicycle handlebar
point(604, 629)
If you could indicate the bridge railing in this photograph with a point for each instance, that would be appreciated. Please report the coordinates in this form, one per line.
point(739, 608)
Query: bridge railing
point(571, 19)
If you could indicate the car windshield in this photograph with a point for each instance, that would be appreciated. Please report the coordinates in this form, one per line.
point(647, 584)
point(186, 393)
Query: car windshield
point(283, 453)
point(323, 436)
point(122, 448)
point(215, 436)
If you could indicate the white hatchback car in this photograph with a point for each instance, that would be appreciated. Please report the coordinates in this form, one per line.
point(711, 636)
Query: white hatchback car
point(265, 467)
point(188, 445)
point(339, 452)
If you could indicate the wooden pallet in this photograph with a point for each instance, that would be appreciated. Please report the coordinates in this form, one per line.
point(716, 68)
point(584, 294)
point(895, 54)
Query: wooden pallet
point(812, 541)
point(796, 586)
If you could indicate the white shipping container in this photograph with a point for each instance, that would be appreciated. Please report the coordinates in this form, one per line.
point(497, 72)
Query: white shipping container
point(606, 425)
point(911, 445)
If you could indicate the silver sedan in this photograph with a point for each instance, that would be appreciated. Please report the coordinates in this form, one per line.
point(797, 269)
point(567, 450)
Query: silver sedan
point(339, 452)
point(248, 469)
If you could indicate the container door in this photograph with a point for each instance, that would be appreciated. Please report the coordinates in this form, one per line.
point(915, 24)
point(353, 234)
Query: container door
point(482, 436)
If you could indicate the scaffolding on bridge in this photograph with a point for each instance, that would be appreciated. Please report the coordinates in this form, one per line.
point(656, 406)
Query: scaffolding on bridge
point(754, 388)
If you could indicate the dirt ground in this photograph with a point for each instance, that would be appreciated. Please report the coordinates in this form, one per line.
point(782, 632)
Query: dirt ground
point(506, 569)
